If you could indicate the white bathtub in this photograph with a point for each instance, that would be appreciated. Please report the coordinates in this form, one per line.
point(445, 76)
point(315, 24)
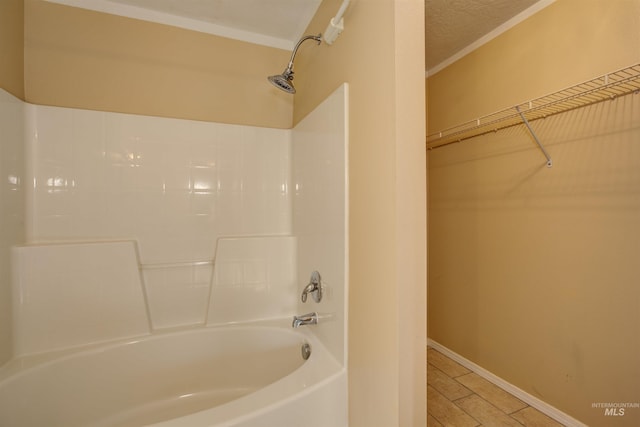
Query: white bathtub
point(251, 376)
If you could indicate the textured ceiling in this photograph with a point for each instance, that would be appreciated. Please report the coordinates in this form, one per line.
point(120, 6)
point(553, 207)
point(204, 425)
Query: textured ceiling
point(451, 25)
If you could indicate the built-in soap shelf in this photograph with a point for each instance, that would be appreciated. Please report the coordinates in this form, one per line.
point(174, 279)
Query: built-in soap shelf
point(178, 264)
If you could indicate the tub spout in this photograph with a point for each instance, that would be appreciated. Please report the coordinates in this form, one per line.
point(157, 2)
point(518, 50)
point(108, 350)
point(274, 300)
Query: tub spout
point(305, 319)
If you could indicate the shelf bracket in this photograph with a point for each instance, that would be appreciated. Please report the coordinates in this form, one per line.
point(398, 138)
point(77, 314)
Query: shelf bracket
point(535, 138)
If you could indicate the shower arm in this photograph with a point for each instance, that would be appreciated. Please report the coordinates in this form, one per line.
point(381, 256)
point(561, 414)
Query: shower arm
point(289, 71)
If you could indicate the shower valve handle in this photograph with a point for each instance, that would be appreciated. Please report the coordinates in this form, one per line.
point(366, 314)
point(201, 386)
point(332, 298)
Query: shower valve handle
point(314, 288)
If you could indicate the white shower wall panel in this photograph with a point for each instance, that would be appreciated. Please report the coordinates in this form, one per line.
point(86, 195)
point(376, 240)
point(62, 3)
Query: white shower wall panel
point(174, 186)
point(11, 204)
point(320, 212)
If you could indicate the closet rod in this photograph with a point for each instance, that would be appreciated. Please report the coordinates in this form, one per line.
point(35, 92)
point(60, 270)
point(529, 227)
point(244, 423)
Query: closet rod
point(608, 86)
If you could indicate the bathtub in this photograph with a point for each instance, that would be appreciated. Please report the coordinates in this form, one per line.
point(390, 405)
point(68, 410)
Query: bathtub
point(241, 376)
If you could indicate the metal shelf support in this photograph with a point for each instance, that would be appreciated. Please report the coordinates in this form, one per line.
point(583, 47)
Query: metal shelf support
point(535, 137)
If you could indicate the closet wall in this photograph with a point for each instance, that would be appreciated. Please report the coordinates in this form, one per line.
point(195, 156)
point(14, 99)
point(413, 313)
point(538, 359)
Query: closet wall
point(533, 271)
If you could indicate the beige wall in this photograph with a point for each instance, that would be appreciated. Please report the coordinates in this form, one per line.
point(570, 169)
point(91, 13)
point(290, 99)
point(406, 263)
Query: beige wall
point(85, 59)
point(11, 47)
point(380, 55)
point(533, 272)
point(566, 43)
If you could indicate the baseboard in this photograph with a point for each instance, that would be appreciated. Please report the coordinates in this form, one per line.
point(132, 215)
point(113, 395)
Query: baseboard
point(529, 399)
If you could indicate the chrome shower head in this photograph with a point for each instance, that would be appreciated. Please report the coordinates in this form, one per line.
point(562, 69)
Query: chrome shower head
point(284, 81)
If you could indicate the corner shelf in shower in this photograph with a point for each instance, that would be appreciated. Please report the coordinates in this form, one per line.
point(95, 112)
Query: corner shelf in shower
point(606, 87)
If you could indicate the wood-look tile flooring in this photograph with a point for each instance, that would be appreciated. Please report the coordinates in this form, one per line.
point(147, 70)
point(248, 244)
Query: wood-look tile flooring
point(459, 397)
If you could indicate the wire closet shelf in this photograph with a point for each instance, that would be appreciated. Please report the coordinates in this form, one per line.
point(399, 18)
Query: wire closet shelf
point(606, 87)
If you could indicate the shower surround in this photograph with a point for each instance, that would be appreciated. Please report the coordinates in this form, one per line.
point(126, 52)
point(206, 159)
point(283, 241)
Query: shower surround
point(142, 225)
point(173, 186)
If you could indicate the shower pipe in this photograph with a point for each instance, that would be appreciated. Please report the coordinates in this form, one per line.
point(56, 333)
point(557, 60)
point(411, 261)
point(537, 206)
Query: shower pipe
point(336, 25)
point(284, 81)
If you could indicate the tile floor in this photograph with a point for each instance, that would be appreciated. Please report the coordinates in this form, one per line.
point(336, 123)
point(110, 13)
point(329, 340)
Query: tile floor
point(458, 397)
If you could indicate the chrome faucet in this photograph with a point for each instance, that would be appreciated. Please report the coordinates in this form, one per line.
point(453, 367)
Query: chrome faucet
point(314, 288)
point(305, 319)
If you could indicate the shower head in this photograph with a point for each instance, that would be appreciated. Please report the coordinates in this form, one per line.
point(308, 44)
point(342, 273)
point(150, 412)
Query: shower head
point(284, 81)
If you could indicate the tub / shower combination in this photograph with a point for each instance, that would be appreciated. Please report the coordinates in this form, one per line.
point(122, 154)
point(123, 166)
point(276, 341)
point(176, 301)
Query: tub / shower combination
point(94, 345)
point(87, 354)
point(99, 362)
point(210, 376)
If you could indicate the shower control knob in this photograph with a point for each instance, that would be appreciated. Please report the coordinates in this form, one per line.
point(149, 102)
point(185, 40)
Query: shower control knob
point(314, 288)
